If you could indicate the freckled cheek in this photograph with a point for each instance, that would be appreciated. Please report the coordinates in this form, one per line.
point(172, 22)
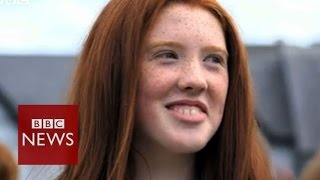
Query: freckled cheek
point(155, 83)
point(218, 92)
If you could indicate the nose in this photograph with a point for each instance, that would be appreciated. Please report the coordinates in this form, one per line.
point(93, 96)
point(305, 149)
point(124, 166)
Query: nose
point(192, 78)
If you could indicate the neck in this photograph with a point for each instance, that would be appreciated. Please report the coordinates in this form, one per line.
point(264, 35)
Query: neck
point(157, 164)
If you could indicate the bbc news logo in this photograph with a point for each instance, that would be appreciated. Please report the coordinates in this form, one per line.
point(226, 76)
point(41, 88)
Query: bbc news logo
point(47, 134)
point(38, 139)
point(14, 2)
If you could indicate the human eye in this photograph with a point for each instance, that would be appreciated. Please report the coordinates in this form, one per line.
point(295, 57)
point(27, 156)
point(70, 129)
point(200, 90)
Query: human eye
point(215, 59)
point(166, 55)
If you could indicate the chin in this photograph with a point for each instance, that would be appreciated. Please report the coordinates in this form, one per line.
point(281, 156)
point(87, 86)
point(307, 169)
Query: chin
point(188, 147)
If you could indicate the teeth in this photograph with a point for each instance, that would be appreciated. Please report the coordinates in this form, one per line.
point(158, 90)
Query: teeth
point(193, 112)
point(187, 110)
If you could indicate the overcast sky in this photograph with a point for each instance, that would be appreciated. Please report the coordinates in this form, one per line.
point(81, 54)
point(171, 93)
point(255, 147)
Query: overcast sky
point(60, 26)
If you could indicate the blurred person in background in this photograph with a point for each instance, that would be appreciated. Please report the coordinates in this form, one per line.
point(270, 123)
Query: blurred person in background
point(284, 173)
point(164, 92)
point(8, 164)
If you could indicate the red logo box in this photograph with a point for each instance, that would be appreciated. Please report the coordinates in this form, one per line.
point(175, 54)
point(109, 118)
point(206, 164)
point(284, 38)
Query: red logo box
point(47, 134)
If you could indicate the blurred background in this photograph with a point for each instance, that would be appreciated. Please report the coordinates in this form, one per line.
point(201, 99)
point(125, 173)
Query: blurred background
point(39, 40)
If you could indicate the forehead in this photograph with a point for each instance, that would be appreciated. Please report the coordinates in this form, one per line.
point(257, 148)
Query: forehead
point(178, 21)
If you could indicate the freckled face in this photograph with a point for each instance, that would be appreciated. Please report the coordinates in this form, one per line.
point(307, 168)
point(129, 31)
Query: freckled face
point(184, 81)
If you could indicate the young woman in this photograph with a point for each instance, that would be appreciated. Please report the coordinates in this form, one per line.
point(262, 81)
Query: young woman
point(164, 92)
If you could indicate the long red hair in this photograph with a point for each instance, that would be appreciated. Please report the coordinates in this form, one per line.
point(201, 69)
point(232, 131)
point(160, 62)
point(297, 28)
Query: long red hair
point(105, 88)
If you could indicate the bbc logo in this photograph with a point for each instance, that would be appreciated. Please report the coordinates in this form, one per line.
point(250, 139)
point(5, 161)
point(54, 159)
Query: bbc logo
point(48, 129)
point(47, 123)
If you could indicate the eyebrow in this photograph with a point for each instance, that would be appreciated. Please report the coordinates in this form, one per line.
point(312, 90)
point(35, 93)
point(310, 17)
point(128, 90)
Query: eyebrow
point(211, 48)
point(163, 43)
point(216, 49)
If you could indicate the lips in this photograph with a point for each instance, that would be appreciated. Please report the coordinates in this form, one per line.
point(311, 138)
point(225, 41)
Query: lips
point(188, 111)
